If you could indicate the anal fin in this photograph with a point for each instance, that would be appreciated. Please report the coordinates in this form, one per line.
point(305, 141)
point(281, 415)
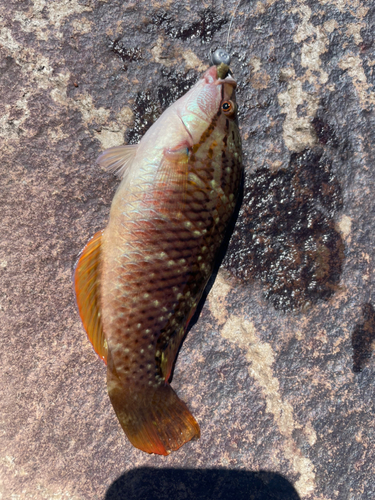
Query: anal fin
point(87, 290)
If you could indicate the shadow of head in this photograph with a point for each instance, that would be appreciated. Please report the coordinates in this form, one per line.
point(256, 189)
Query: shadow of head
point(207, 484)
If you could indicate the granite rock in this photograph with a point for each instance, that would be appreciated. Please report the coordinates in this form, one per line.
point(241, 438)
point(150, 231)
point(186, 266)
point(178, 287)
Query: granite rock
point(279, 368)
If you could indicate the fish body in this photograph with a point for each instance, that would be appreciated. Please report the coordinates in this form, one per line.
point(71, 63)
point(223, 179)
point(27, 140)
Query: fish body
point(138, 282)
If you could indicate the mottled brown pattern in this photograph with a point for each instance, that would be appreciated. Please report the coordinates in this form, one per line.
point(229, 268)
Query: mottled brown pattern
point(167, 266)
point(158, 253)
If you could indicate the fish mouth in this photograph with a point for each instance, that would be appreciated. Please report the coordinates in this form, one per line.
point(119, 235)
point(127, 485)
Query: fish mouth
point(211, 77)
point(228, 80)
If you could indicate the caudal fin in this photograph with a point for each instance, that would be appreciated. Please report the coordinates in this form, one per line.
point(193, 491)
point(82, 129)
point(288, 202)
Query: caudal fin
point(155, 422)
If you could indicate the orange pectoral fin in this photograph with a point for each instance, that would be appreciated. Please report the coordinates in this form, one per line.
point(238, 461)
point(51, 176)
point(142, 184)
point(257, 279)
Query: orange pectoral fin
point(86, 285)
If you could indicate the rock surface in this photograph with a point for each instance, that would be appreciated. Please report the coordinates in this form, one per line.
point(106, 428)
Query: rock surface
point(278, 370)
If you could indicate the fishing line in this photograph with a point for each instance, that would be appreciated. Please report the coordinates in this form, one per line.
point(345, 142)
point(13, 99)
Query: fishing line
point(222, 55)
point(230, 24)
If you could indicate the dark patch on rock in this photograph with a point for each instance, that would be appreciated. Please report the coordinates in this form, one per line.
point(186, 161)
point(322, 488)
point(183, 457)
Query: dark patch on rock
point(178, 83)
point(127, 54)
point(286, 235)
point(204, 28)
point(324, 131)
point(150, 104)
point(146, 111)
point(363, 338)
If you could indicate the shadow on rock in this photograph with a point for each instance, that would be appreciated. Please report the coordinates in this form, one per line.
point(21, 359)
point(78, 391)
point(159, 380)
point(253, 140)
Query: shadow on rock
point(208, 484)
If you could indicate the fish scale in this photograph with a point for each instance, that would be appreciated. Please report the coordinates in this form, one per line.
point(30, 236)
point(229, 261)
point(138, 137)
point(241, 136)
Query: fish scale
point(167, 222)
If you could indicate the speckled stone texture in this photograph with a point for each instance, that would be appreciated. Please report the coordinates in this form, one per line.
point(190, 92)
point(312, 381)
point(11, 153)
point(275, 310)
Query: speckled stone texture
point(279, 368)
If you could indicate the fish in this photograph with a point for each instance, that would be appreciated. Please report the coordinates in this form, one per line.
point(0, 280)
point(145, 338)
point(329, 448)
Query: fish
point(138, 282)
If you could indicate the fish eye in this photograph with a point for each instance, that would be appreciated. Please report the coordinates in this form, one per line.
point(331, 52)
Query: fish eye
point(228, 108)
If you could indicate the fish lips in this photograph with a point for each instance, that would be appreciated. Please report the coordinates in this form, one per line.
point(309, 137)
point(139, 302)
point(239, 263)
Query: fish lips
point(210, 77)
point(227, 81)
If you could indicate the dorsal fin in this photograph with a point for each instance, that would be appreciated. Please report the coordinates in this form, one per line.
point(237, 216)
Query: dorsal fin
point(86, 284)
point(118, 159)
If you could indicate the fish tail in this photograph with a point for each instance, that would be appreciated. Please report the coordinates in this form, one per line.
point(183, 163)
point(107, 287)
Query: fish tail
point(158, 422)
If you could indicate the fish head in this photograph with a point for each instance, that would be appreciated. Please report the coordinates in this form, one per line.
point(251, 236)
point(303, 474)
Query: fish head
point(211, 98)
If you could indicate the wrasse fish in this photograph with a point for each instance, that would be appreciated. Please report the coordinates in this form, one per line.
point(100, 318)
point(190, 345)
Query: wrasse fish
point(139, 281)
